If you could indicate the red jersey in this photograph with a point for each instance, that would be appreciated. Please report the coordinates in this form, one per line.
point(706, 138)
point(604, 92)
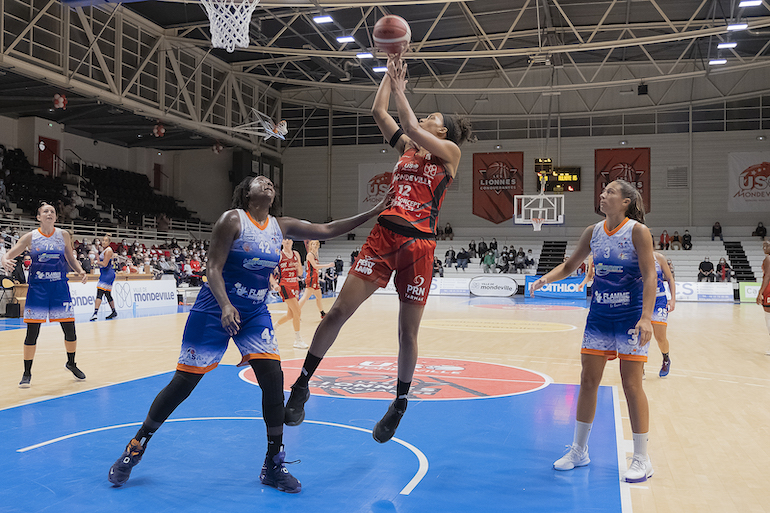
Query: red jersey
point(288, 267)
point(420, 183)
point(311, 275)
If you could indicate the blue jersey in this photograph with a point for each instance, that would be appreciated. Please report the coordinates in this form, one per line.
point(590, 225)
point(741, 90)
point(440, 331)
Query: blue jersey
point(251, 260)
point(48, 260)
point(618, 286)
point(661, 280)
point(106, 274)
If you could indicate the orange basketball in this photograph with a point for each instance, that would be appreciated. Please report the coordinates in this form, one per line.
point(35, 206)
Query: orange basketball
point(392, 34)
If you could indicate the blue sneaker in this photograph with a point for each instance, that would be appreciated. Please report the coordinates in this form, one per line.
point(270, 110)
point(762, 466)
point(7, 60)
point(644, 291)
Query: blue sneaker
point(386, 427)
point(274, 474)
point(121, 469)
point(665, 368)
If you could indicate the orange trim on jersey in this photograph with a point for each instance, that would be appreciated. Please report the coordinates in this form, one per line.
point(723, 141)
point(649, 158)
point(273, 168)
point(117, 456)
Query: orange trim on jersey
point(633, 357)
point(659, 322)
point(618, 227)
point(34, 321)
point(195, 370)
point(258, 356)
point(260, 226)
point(68, 319)
point(611, 355)
point(102, 288)
point(44, 235)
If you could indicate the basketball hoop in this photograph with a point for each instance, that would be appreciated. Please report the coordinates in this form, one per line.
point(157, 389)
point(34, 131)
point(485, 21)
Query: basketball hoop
point(229, 22)
point(537, 223)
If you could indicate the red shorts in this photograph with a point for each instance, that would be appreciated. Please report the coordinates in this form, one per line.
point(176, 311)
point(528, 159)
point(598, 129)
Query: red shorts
point(385, 251)
point(289, 290)
point(311, 281)
point(766, 297)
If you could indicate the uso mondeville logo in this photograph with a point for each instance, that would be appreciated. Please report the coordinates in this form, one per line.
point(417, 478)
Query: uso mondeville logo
point(754, 182)
point(497, 177)
point(377, 187)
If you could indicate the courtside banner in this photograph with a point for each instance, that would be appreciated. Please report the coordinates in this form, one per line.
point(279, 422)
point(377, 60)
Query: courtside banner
point(630, 164)
point(749, 291)
point(497, 178)
point(373, 183)
point(142, 293)
point(494, 285)
point(563, 289)
point(748, 182)
point(704, 291)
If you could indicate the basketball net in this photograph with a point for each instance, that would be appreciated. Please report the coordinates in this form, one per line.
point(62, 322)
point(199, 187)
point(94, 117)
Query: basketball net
point(537, 223)
point(229, 21)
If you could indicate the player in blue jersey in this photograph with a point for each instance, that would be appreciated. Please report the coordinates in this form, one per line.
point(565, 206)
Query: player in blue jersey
point(106, 279)
point(245, 249)
point(663, 305)
point(48, 295)
point(619, 323)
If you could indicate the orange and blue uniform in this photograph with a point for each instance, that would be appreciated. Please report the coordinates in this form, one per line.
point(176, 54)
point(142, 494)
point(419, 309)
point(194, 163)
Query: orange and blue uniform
point(48, 296)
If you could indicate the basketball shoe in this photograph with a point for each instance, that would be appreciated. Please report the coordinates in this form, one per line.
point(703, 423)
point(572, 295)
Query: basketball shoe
point(75, 371)
point(386, 427)
point(640, 470)
point(93, 317)
point(274, 474)
point(112, 315)
point(575, 457)
point(294, 412)
point(665, 368)
point(121, 469)
point(25, 381)
point(299, 343)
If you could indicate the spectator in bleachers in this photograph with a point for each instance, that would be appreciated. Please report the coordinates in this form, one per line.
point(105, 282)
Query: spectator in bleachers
point(439, 233)
point(520, 262)
point(338, 265)
point(488, 261)
point(687, 240)
point(676, 241)
point(450, 257)
point(437, 267)
point(173, 244)
point(716, 231)
point(85, 262)
point(665, 240)
point(724, 272)
point(462, 259)
point(472, 249)
point(4, 201)
point(706, 270)
point(353, 255)
point(163, 222)
point(530, 261)
point(493, 244)
point(481, 251)
point(760, 231)
point(502, 263)
point(448, 232)
point(331, 278)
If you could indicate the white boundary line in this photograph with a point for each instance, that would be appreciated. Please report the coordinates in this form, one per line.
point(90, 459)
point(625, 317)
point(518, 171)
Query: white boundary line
point(625, 488)
point(421, 458)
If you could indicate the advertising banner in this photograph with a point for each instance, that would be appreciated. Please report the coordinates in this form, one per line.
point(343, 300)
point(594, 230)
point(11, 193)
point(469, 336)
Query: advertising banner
point(629, 164)
point(749, 291)
point(494, 285)
point(704, 291)
point(373, 182)
point(497, 178)
point(748, 182)
point(563, 289)
point(142, 293)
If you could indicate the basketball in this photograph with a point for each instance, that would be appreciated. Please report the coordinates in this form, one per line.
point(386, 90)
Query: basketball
point(392, 34)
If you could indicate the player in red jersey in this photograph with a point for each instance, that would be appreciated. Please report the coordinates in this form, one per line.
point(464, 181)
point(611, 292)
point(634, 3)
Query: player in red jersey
point(312, 285)
point(403, 240)
point(291, 269)
point(763, 298)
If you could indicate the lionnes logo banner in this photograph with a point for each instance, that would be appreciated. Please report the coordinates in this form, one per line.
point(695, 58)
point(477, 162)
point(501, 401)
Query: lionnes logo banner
point(749, 182)
point(127, 294)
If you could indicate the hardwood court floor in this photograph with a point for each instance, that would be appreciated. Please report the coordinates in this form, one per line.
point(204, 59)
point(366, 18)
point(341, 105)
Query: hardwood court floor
point(710, 423)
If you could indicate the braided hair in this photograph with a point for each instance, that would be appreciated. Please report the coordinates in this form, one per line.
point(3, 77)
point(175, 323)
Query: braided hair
point(241, 194)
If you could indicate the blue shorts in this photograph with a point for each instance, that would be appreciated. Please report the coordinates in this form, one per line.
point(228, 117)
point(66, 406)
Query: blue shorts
point(48, 300)
point(660, 312)
point(205, 340)
point(614, 338)
point(106, 280)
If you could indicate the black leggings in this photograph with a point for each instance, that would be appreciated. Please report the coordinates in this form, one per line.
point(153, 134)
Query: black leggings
point(104, 293)
point(33, 331)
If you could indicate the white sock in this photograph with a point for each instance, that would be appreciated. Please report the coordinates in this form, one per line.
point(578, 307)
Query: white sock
point(297, 336)
point(640, 444)
point(582, 432)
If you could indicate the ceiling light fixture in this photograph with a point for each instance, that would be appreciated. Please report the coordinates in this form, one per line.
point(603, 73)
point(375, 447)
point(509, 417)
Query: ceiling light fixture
point(750, 3)
point(346, 39)
point(761, 138)
point(364, 55)
point(737, 26)
point(380, 69)
point(717, 62)
point(623, 143)
point(322, 19)
point(729, 44)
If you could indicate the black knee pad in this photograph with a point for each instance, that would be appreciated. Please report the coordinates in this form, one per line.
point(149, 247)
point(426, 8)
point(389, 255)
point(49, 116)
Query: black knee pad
point(100, 293)
point(108, 295)
point(179, 389)
point(33, 330)
point(270, 378)
point(69, 331)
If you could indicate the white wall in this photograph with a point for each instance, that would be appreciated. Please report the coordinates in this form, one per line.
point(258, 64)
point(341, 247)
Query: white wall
point(201, 180)
point(305, 180)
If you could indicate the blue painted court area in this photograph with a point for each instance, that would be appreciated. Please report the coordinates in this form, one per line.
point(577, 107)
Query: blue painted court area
point(492, 454)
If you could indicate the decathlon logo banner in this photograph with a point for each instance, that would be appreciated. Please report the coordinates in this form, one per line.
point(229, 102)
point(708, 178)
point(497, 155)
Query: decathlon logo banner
point(494, 286)
point(704, 291)
point(749, 182)
point(564, 289)
point(373, 183)
point(126, 294)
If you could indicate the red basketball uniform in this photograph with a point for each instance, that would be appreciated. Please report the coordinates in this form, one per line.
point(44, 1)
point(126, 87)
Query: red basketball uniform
point(311, 275)
point(420, 183)
point(289, 284)
point(766, 297)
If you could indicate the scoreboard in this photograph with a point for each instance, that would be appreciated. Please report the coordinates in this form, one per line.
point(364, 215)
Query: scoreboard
point(557, 179)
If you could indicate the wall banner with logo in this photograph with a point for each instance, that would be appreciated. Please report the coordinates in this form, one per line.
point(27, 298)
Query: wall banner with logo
point(629, 164)
point(562, 289)
point(494, 285)
point(373, 183)
point(127, 294)
point(749, 182)
point(749, 291)
point(497, 178)
point(704, 291)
